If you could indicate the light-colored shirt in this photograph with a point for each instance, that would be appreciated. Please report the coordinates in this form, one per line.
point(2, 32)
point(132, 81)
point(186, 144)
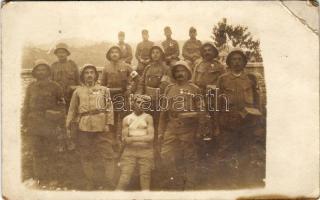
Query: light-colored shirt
point(137, 124)
point(91, 99)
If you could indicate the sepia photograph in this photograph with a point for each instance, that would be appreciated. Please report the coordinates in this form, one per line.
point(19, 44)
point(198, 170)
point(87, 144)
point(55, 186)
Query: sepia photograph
point(156, 97)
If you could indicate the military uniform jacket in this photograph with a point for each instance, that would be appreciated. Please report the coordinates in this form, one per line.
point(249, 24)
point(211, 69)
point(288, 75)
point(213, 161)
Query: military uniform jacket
point(143, 50)
point(116, 75)
point(171, 48)
point(207, 73)
point(84, 106)
point(43, 107)
point(156, 75)
point(66, 74)
point(181, 100)
point(126, 52)
point(241, 90)
point(191, 50)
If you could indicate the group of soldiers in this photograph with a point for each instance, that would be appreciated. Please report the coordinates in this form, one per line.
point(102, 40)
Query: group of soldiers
point(120, 130)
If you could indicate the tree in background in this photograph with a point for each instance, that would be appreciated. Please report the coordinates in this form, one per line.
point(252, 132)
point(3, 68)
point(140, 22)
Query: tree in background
point(227, 36)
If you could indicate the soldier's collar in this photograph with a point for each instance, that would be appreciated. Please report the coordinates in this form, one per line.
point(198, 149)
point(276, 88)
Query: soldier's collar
point(241, 75)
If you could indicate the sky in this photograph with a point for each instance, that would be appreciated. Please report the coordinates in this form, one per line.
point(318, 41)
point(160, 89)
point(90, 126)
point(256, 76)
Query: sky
point(101, 21)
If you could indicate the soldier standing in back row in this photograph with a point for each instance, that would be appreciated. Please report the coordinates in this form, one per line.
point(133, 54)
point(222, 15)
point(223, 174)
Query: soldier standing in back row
point(191, 48)
point(65, 72)
point(126, 51)
point(143, 52)
point(238, 122)
point(177, 127)
point(43, 117)
point(171, 47)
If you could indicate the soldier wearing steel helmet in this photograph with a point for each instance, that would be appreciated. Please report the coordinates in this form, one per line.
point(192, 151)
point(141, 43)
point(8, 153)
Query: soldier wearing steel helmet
point(117, 76)
point(43, 114)
point(206, 73)
point(155, 78)
point(239, 118)
point(65, 71)
point(91, 108)
point(179, 121)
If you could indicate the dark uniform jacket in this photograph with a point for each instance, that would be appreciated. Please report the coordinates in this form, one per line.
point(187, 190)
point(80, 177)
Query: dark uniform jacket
point(156, 75)
point(116, 76)
point(126, 52)
point(242, 94)
point(43, 108)
point(176, 120)
point(207, 73)
point(143, 50)
point(171, 49)
point(66, 74)
point(191, 50)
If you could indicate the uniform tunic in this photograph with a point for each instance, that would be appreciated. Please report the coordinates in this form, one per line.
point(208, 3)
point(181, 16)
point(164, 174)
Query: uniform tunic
point(126, 52)
point(178, 150)
point(143, 52)
point(116, 75)
point(171, 48)
point(43, 128)
point(191, 50)
point(66, 74)
point(92, 108)
point(207, 73)
point(239, 141)
point(156, 75)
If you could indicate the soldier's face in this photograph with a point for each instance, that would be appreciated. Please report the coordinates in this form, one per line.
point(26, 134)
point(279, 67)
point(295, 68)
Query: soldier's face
point(193, 34)
point(156, 54)
point(167, 33)
point(208, 52)
point(237, 62)
point(89, 75)
point(138, 105)
point(41, 72)
point(114, 54)
point(145, 36)
point(180, 73)
point(62, 54)
point(121, 38)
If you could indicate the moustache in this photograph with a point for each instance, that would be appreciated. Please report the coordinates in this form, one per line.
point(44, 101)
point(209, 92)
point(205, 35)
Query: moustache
point(179, 76)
